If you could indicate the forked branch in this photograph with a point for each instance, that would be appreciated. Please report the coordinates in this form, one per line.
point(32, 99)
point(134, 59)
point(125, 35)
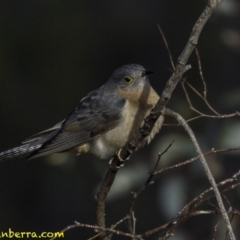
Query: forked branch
point(206, 169)
point(125, 153)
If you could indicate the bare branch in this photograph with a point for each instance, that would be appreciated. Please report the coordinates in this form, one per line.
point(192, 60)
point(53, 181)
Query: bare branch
point(181, 68)
point(123, 154)
point(137, 193)
point(190, 209)
point(212, 151)
point(109, 230)
point(206, 168)
point(168, 49)
point(112, 227)
point(101, 197)
point(201, 73)
point(202, 97)
point(216, 228)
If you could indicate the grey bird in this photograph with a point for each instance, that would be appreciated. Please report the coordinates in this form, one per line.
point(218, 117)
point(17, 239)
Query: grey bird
point(103, 121)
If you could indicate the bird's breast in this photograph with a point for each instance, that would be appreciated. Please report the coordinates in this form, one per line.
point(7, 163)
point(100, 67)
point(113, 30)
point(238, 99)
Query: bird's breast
point(136, 108)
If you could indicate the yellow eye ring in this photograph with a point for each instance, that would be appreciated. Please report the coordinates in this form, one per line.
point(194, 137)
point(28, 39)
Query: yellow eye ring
point(127, 79)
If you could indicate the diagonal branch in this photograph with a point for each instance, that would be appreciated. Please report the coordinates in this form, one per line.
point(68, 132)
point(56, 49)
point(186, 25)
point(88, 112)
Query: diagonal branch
point(206, 169)
point(148, 182)
point(125, 153)
point(192, 208)
point(171, 84)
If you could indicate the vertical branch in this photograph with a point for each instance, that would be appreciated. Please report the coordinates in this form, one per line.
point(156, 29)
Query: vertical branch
point(201, 73)
point(101, 197)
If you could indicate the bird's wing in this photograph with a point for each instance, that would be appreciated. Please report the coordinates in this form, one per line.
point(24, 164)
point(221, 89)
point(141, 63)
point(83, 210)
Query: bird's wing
point(96, 114)
point(42, 134)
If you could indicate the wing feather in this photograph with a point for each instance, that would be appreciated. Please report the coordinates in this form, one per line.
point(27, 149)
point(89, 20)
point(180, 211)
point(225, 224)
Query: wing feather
point(43, 133)
point(93, 116)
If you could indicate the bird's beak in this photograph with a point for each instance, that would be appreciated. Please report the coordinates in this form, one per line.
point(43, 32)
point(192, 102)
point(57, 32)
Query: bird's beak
point(147, 72)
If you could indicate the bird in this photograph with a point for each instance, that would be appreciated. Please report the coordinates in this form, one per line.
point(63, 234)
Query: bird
point(103, 121)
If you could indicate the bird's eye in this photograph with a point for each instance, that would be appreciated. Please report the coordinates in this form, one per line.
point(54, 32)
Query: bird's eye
point(127, 79)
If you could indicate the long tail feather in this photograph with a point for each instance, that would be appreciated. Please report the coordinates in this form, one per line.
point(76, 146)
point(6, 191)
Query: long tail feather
point(20, 151)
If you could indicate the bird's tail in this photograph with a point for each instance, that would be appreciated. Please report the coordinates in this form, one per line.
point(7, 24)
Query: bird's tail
point(20, 151)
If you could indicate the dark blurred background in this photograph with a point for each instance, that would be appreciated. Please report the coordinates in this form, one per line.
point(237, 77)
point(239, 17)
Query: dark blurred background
point(52, 53)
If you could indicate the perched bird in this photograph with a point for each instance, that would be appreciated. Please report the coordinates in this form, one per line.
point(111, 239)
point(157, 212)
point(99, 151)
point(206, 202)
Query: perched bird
point(103, 121)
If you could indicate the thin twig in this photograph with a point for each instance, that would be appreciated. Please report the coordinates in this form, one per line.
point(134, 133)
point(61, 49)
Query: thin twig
point(186, 212)
point(202, 97)
point(206, 168)
point(112, 227)
point(201, 73)
point(217, 115)
point(118, 223)
point(216, 228)
point(236, 114)
point(110, 230)
point(148, 182)
point(168, 49)
point(212, 151)
point(190, 209)
point(158, 110)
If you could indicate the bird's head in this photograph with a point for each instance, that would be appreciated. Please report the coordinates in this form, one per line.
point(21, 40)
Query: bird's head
point(130, 77)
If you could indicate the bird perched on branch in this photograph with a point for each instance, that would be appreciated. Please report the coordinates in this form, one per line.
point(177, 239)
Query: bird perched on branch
point(103, 121)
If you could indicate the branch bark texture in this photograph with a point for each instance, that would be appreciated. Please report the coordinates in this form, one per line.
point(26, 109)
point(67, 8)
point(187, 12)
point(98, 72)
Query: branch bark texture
point(125, 153)
point(207, 170)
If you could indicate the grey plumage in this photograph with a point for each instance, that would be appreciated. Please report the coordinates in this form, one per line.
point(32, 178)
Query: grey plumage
point(102, 122)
